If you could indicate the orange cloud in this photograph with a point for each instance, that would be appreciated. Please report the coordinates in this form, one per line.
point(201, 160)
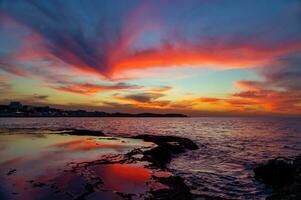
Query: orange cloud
point(88, 89)
point(225, 56)
point(111, 60)
point(160, 89)
point(245, 102)
point(252, 85)
point(274, 101)
point(209, 100)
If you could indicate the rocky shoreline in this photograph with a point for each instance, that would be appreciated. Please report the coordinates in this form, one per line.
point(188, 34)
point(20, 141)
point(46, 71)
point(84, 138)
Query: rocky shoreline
point(284, 175)
point(91, 180)
point(140, 161)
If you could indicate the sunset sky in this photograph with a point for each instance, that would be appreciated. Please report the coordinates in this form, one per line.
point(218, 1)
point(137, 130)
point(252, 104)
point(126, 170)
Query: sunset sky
point(197, 57)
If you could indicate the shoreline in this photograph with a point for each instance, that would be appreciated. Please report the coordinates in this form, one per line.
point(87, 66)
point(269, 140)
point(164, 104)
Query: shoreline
point(163, 183)
point(158, 157)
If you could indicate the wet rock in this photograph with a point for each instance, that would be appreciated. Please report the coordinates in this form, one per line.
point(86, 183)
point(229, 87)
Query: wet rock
point(160, 139)
point(284, 175)
point(166, 147)
point(125, 196)
point(11, 172)
point(158, 156)
point(277, 172)
point(82, 132)
point(177, 189)
point(37, 185)
point(207, 197)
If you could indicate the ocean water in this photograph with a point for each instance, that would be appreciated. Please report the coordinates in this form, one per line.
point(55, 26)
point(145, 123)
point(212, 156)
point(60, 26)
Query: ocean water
point(229, 148)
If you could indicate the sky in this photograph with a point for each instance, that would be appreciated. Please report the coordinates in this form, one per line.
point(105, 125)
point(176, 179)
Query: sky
point(197, 57)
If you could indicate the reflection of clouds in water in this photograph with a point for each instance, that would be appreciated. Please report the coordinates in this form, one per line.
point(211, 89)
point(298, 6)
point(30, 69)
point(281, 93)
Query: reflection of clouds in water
point(41, 157)
point(12, 161)
point(89, 144)
point(56, 149)
point(127, 178)
point(2, 147)
point(83, 145)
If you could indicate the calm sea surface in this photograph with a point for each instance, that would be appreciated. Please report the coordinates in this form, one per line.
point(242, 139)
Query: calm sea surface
point(229, 147)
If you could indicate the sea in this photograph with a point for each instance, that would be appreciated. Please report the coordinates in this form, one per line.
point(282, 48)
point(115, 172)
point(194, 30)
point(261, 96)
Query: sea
point(229, 148)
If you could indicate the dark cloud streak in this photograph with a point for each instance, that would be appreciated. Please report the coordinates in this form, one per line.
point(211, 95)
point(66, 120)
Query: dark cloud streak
point(90, 89)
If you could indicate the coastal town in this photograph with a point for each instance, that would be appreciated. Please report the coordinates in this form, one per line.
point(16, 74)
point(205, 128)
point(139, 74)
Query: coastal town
point(17, 109)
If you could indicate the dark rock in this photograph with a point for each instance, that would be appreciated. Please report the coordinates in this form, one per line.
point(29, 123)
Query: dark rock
point(207, 197)
point(37, 185)
point(160, 139)
point(277, 172)
point(159, 156)
point(11, 172)
point(82, 132)
point(284, 175)
point(166, 147)
point(126, 196)
point(177, 190)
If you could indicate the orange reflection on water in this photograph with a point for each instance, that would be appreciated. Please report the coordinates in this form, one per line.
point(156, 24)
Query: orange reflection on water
point(84, 144)
point(127, 178)
point(43, 158)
